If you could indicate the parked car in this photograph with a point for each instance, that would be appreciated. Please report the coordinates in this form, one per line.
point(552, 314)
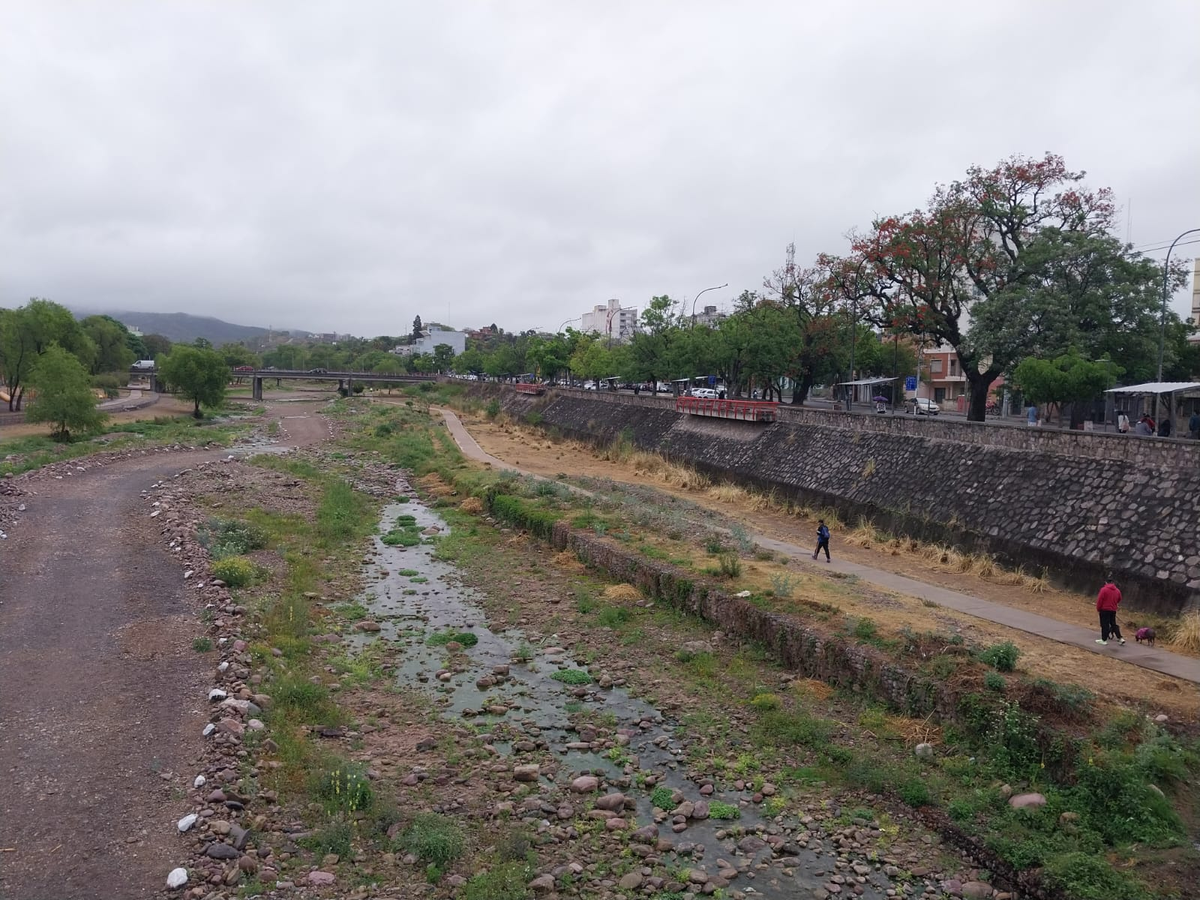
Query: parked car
point(244, 369)
point(318, 371)
point(923, 406)
point(705, 393)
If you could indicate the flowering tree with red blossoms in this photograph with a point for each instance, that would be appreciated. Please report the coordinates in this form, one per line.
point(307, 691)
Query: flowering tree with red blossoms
point(936, 270)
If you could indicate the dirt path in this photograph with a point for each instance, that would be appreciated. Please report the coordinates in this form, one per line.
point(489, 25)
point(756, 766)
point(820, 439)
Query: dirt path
point(1079, 637)
point(101, 694)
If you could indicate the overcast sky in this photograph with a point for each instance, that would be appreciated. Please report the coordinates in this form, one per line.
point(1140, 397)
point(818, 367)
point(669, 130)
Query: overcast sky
point(348, 165)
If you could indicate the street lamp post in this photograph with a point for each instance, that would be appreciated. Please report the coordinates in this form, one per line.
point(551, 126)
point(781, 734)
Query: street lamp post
point(564, 324)
point(608, 322)
point(853, 322)
point(697, 297)
point(1162, 334)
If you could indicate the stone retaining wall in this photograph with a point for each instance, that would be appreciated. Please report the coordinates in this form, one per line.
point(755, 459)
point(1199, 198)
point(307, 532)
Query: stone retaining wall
point(1075, 515)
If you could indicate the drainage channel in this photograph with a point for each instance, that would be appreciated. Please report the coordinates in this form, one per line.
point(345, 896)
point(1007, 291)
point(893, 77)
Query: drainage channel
point(502, 684)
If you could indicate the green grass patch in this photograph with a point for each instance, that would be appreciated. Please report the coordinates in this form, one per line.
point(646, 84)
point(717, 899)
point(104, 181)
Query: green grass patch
point(572, 676)
point(723, 811)
point(442, 638)
point(434, 839)
point(235, 571)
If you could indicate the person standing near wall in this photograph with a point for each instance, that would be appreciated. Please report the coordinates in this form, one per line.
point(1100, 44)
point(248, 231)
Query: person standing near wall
point(1031, 416)
point(1107, 602)
point(822, 540)
point(1194, 425)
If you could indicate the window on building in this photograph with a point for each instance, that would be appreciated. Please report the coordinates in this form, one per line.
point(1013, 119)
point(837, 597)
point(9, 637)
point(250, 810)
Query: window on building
point(935, 367)
point(953, 366)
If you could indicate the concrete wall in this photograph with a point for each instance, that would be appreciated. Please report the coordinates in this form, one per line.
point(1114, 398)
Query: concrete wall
point(1099, 502)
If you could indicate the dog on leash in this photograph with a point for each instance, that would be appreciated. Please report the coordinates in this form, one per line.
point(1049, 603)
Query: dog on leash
point(1145, 634)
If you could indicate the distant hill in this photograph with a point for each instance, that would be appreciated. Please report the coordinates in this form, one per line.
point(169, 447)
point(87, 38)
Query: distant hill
point(181, 327)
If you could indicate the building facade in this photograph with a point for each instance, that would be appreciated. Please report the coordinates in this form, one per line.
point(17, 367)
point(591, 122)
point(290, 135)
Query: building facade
point(1196, 298)
point(610, 320)
point(710, 317)
point(456, 340)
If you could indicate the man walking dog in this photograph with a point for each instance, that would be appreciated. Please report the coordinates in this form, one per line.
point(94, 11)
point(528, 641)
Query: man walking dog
point(1107, 602)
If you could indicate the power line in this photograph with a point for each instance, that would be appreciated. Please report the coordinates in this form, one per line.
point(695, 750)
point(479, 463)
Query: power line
point(1164, 246)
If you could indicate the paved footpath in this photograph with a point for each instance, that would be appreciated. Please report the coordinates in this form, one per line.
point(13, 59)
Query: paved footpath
point(1084, 638)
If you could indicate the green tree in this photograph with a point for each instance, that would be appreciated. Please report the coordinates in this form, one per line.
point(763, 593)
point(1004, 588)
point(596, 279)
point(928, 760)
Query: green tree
point(64, 394)
point(26, 332)
point(592, 360)
point(390, 364)
point(469, 362)
point(443, 356)
point(110, 339)
point(156, 345)
point(651, 346)
point(1070, 378)
point(417, 328)
point(287, 357)
point(200, 375)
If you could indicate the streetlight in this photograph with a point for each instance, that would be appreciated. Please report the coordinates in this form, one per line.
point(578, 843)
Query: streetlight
point(853, 329)
point(697, 297)
point(1162, 334)
point(1166, 285)
point(564, 324)
point(608, 321)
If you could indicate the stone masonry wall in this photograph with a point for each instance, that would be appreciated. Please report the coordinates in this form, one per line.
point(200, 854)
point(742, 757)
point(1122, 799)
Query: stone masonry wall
point(1077, 515)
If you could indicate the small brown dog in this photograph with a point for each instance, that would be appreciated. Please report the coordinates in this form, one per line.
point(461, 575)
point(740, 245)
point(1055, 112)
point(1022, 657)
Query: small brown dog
point(1145, 634)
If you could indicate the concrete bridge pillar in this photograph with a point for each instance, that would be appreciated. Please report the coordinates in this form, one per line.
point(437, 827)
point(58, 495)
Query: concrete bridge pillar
point(155, 387)
point(256, 388)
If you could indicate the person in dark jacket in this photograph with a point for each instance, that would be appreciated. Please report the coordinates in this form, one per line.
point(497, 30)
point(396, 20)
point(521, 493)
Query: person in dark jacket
point(1194, 425)
point(1107, 602)
point(822, 540)
point(1164, 428)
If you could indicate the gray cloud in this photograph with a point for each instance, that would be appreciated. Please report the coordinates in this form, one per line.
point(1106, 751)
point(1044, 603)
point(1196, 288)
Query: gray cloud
point(350, 165)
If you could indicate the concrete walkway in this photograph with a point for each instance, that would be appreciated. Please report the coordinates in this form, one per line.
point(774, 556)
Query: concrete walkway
point(1084, 638)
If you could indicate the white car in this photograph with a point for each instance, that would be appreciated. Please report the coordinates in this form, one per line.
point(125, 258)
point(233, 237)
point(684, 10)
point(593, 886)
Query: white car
point(705, 393)
point(925, 407)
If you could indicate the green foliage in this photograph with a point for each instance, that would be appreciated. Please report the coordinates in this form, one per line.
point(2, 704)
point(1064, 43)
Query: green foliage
point(1065, 379)
point(27, 332)
point(346, 789)
point(64, 394)
point(202, 644)
point(662, 797)
point(299, 699)
point(572, 676)
point(235, 571)
point(433, 839)
point(493, 408)
point(613, 616)
point(199, 375)
point(914, 792)
point(402, 537)
point(731, 565)
point(765, 702)
point(342, 514)
point(508, 881)
point(994, 681)
point(442, 638)
point(780, 728)
point(723, 811)
point(231, 537)
point(783, 585)
point(1084, 876)
point(1002, 657)
point(523, 514)
point(336, 837)
point(865, 630)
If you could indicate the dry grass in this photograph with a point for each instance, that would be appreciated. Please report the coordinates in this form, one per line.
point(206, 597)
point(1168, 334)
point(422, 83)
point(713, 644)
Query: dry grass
point(622, 593)
point(1186, 634)
point(811, 687)
point(472, 506)
point(727, 493)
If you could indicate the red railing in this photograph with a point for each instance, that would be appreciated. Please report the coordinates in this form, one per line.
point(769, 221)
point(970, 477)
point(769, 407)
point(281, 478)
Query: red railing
point(742, 410)
point(525, 388)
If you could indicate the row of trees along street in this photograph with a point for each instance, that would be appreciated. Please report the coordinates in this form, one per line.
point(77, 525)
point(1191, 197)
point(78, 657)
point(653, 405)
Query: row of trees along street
point(1015, 268)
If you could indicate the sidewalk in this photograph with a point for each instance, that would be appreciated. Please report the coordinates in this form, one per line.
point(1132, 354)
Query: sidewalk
point(1151, 658)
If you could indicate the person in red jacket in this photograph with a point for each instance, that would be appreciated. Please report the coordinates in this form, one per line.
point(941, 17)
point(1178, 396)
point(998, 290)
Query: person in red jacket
point(1106, 604)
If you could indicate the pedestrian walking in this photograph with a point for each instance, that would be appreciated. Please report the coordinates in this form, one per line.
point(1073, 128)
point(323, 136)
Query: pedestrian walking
point(1194, 425)
point(1107, 602)
point(1031, 416)
point(822, 540)
point(1122, 423)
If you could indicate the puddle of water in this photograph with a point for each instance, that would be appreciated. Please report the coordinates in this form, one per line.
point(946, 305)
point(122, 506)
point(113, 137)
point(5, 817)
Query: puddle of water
point(412, 595)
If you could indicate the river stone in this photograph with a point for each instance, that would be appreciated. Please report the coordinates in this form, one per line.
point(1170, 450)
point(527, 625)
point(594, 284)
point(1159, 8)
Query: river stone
point(585, 784)
point(700, 809)
point(529, 772)
point(1025, 801)
point(220, 851)
point(647, 834)
point(177, 878)
point(630, 881)
point(368, 625)
point(697, 876)
point(977, 890)
point(924, 751)
point(543, 884)
point(611, 802)
point(186, 822)
point(319, 878)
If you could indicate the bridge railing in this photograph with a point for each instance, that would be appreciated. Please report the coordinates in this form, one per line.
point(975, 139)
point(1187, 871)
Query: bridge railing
point(741, 410)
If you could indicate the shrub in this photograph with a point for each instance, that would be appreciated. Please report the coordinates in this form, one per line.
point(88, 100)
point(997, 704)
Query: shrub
point(719, 810)
point(613, 616)
point(731, 566)
point(383, 429)
point(1002, 657)
point(765, 702)
point(517, 512)
point(235, 571)
point(493, 408)
point(778, 728)
point(347, 789)
point(572, 676)
point(914, 792)
point(865, 629)
point(714, 545)
point(433, 839)
point(1086, 876)
point(994, 681)
point(402, 537)
point(505, 882)
point(783, 584)
point(202, 645)
point(333, 838)
point(231, 537)
point(662, 797)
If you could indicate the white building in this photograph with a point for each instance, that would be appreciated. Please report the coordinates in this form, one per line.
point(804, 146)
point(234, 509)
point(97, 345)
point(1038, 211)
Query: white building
point(611, 320)
point(457, 341)
point(710, 317)
point(1196, 299)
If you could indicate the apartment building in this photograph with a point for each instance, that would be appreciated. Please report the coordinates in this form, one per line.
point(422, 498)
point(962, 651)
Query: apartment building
point(610, 320)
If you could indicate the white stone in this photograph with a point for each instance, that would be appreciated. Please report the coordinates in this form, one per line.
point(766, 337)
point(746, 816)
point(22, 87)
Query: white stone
point(186, 822)
point(200, 781)
point(223, 667)
point(209, 729)
point(924, 751)
point(177, 878)
point(187, 574)
point(217, 694)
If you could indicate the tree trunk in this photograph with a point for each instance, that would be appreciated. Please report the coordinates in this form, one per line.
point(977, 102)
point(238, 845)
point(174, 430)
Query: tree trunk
point(979, 385)
point(196, 412)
